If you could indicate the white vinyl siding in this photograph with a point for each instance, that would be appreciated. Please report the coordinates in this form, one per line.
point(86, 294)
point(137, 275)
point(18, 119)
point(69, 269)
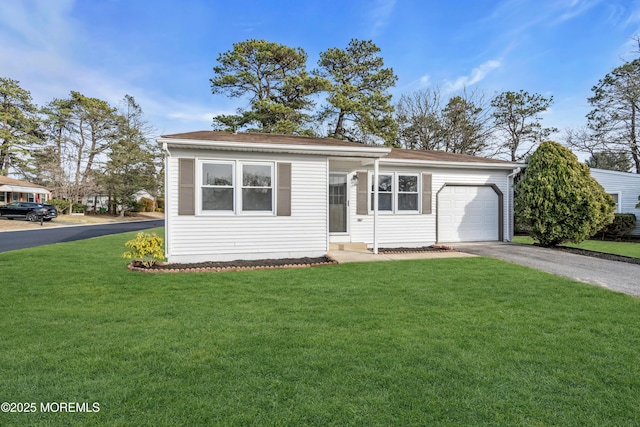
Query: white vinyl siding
point(626, 186)
point(416, 229)
point(252, 236)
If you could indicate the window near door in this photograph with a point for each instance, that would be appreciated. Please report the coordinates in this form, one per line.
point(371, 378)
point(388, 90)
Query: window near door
point(408, 193)
point(385, 193)
point(217, 187)
point(3, 197)
point(31, 197)
point(397, 192)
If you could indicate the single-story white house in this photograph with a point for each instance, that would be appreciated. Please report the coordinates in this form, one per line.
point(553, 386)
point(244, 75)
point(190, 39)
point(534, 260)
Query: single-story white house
point(99, 201)
point(15, 190)
point(624, 187)
point(257, 196)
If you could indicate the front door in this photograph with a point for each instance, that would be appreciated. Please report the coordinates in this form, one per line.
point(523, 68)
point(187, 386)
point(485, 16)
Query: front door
point(338, 203)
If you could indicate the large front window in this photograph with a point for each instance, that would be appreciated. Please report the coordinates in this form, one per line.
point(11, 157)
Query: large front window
point(235, 187)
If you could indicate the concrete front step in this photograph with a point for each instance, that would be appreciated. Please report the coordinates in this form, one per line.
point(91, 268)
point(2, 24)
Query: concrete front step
point(352, 246)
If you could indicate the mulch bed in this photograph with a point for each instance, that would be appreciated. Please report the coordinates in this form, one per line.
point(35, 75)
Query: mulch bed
point(237, 265)
point(263, 264)
point(432, 248)
point(596, 254)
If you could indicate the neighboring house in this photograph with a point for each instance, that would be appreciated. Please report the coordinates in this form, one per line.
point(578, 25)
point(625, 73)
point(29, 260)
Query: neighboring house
point(624, 187)
point(14, 190)
point(255, 196)
point(98, 202)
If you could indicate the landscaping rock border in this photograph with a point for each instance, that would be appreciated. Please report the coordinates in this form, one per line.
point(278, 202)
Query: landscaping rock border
point(237, 265)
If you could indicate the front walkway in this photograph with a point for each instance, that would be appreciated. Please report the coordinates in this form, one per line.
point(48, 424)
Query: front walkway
point(364, 255)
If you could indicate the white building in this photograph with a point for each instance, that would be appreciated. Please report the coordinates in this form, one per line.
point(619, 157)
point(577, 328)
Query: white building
point(624, 187)
point(256, 196)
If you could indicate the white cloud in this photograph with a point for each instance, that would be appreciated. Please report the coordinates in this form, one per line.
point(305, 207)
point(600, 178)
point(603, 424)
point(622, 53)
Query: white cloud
point(425, 80)
point(574, 9)
point(477, 74)
point(381, 12)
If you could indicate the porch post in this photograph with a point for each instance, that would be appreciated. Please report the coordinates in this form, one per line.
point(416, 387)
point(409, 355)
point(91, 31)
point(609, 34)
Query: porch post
point(376, 165)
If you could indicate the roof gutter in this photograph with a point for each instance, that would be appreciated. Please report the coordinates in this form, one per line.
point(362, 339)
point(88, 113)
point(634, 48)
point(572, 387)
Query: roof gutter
point(327, 150)
point(461, 165)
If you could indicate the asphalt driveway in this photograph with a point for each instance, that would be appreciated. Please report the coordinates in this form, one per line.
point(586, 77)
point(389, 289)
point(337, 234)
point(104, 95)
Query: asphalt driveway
point(614, 275)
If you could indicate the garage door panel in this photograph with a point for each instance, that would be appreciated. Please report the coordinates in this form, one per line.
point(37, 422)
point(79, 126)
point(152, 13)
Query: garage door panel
point(467, 214)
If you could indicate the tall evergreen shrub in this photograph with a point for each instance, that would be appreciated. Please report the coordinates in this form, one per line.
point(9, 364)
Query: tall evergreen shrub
point(558, 200)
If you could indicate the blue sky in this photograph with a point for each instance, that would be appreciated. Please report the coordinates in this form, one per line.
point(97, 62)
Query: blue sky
point(162, 51)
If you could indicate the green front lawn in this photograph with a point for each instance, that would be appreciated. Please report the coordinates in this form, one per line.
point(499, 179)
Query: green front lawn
point(617, 248)
point(466, 341)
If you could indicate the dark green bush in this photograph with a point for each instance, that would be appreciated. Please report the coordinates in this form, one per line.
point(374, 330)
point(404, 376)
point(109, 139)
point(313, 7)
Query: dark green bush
point(622, 225)
point(558, 200)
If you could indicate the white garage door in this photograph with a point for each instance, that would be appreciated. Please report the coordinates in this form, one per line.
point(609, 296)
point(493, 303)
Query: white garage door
point(467, 214)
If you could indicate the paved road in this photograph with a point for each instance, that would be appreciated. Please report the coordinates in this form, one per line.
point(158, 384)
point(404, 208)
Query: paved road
point(618, 276)
point(12, 240)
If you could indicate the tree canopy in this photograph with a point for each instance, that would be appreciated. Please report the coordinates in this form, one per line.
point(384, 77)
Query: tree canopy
point(275, 80)
point(517, 119)
point(19, 126)
point(78, 146)
point(358, 92)
point(613, 121)
point(464, 125)
point(610, 160)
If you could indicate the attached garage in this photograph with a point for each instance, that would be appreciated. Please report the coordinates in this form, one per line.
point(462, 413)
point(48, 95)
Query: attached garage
point(469, 213)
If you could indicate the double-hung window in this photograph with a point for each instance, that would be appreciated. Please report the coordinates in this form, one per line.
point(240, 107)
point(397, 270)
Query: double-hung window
point(397, 192)
point(385, 193)
point(218, 186)
point(257, 187)
point(407, 192)
point(236, 187)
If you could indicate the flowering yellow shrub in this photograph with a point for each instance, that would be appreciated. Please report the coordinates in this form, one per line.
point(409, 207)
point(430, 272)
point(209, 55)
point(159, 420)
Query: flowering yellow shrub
point(145, 248)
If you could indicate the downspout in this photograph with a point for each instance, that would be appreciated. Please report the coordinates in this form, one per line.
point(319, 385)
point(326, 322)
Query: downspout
point(376, 166)
point(167, 156)
point(511, 222)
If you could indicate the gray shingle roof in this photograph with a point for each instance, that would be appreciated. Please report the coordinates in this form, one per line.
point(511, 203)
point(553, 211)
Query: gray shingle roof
point(269, 138)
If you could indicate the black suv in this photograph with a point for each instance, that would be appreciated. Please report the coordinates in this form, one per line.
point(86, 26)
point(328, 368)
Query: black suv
point(29, 211)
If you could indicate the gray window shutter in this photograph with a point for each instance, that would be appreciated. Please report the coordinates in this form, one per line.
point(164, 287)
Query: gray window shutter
point(362, 207)
point(284, 190)
point(186, 187)
point(426, 193)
